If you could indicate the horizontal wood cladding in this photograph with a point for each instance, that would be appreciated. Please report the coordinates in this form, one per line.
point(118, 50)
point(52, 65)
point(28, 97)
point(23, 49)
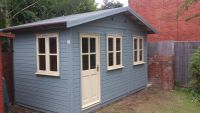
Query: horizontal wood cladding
point(43, 92)
point(114, 83)
point(63, 94)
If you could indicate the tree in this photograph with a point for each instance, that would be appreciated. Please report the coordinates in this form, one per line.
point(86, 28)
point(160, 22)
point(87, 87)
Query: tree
point(185, 6)
point(111, 4)
point(15, 12)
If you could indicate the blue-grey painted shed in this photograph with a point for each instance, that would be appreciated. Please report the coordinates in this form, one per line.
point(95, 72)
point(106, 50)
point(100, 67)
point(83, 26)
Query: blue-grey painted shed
point(78, 63)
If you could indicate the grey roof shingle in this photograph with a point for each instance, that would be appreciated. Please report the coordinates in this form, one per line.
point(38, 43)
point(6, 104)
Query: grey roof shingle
point(77, 19)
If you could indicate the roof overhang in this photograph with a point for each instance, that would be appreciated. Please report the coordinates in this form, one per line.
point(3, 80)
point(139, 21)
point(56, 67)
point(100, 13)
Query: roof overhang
point(78, 19)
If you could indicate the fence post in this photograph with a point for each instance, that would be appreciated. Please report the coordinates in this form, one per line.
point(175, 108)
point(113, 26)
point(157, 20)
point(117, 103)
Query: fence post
point(1, 80)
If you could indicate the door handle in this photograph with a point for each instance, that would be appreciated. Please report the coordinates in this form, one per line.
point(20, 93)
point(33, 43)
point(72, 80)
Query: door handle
point(97, 68)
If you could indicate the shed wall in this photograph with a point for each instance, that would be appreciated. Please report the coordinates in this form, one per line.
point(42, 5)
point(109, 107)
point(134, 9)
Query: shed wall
point(114, 83)
point(42, 92)
point(63, 95)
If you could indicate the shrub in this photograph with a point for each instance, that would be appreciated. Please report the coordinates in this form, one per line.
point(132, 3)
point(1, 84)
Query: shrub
point(194, 67)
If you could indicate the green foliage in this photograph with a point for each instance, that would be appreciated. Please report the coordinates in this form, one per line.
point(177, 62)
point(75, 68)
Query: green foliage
point(194, 67)
point(194, 97)
point(15, 12)
point(185, 6)
point(111, 4)
point(193, 16)
point(188, 3)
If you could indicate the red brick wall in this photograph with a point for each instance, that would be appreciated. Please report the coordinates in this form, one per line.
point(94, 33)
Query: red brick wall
point(161, 14)
point(1, 83)
point(160, 70)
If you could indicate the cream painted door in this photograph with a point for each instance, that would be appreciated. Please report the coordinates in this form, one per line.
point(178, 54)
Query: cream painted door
point(90, 76)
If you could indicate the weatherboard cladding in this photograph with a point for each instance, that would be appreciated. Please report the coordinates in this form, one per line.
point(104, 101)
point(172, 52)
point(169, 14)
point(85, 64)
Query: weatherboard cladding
point(63, 94)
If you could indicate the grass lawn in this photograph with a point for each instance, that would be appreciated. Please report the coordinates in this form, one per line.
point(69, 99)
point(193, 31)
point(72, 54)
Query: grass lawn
point(154, 100)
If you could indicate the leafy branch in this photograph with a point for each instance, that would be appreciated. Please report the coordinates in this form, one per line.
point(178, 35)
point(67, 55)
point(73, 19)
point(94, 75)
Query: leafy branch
point(25, 8)
point(185, 7)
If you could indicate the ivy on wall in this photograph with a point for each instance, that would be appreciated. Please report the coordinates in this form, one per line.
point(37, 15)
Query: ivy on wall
point(6, 46)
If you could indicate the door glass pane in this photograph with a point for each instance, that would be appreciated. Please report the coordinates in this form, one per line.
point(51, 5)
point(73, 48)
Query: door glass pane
point(84, 45)
point(53, 45)
point(92, 61)
point(110, 44)
point(110, 59)
point(135, 56)
point(85, 62)
point(141, 55)
point(92, 45)
point(42, 62)
point(53, 63)
point(41, 45)
point(118, 58)
point(141, 43)
point(118, 44)
point(135, 44)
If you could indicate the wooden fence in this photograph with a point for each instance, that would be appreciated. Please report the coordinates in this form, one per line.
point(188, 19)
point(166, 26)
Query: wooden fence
point(181, 52)
point(164, 48)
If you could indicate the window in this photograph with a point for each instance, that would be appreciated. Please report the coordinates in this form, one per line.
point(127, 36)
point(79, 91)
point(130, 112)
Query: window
point(47, 54)
point(114, 52)
point(138, 50)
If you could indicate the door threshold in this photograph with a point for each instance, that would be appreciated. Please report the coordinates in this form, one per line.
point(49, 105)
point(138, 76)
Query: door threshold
point(92, 105)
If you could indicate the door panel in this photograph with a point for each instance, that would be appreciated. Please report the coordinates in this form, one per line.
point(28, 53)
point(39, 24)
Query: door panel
point(90, 78)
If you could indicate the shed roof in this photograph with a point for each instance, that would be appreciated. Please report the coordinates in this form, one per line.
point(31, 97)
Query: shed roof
point(77, 19)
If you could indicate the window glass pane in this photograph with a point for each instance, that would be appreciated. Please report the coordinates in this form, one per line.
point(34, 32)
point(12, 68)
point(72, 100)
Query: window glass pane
point(110, 59)
point(135, 56)
point(92, 45)
point(141, 55)
point(141, 44)
point(42, 62)
point(41, 45)
point(92, 61)
point(110, 44)
point(85, 62)
point(53, 45)
point(118, 44)
point(135, 44)
point(85, 45)
point(118, 58)
point(53, 63)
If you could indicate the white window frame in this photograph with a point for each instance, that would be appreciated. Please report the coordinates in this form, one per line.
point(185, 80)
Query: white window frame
point(138, 62)
point(47, 54)
point(114, 52)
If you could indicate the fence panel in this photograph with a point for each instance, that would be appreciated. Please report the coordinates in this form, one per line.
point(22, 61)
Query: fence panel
point(163, 48)
point(183, 51)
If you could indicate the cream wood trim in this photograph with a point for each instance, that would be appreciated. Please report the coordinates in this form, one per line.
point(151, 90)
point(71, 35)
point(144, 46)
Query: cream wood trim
point(97, 36)
point(138, 62)
point(46, 36)
point(114, 67)
point(114, 52)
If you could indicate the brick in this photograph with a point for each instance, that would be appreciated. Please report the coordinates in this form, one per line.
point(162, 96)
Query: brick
point(160, 71)
point(161, 14)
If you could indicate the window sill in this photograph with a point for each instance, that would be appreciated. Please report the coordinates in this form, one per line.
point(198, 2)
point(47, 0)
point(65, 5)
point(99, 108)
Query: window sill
point(138, 63)
point(114, 68)
point(47, 74)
